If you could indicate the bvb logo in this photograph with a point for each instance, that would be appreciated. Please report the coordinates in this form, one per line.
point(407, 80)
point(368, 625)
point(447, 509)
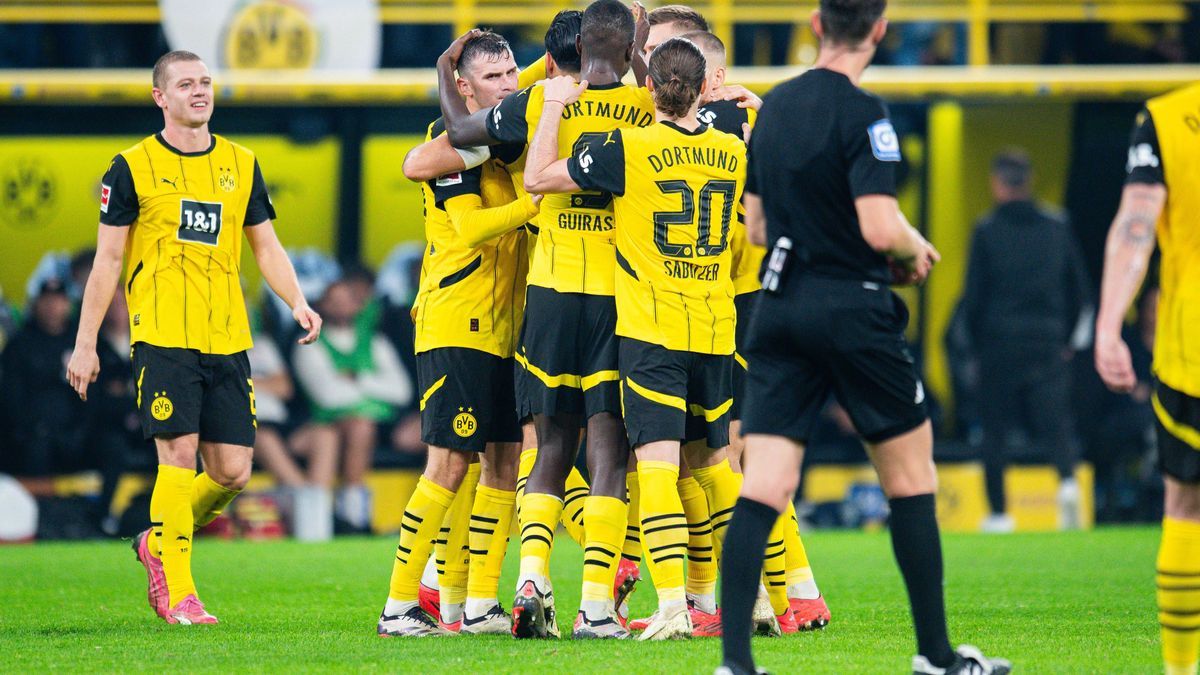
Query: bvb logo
point(161, 408)
point(29, 193)
point(464, 423)
point(227, 181)
point(271, 34)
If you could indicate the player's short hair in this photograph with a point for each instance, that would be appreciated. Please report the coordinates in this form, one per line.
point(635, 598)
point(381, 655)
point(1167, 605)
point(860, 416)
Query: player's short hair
point(560, 39)
point(1013, 167)
point(607, 27)
point(159, 78)
point(706, 41)
point(687, 18)
point(487, 46)
point(677, 69)
point(849, 22)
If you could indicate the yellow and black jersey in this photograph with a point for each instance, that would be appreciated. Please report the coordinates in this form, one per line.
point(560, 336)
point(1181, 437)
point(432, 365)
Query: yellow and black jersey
point(727, 116)
point(676, 192)
point(472, 290)
point(186, 211)
point(574, 252)
point(1165, 150)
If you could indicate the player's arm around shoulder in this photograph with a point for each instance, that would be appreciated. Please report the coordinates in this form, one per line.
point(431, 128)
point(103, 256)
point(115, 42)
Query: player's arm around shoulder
point(544, 171)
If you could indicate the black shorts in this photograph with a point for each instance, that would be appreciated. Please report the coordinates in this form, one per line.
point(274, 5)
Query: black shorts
point(826, 335)
point(183, 391)
point(1177, 419)
point(467, 399)
point(568, 354)
point(672, 395)
point(744, 306)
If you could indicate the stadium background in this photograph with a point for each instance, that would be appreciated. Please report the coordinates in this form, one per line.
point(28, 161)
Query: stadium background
point(965, 78)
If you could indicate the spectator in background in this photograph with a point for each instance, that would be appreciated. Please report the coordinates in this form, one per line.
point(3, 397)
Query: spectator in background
point(116, 431)
point(399, 279)
point(43, 412)
point(80, 268)
point(1025, 291)
point(353, 382)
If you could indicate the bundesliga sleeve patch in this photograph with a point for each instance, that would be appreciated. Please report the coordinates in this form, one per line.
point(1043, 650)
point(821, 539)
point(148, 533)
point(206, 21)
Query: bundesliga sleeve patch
point(885, 145)
point(450, 179)
point(1141, 155)
point(105, 193)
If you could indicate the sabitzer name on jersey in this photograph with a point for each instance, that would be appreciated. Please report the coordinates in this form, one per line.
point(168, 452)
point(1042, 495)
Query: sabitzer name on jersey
point(679, 155)
point(682, 269)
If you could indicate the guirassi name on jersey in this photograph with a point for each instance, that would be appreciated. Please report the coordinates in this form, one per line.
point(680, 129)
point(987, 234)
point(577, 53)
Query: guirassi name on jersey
point(675, 195)
point(574, 251)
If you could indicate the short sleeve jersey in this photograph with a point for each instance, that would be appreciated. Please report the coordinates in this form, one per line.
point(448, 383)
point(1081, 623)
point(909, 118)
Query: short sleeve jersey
point(469, 296)
point(819, 144)
point(575, 248)
point(1165, 150)
point(676, 192)
point(727, 116)
point(185, 211)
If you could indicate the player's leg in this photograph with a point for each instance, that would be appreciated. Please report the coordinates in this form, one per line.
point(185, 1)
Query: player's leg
point(1000, 398)
point(1052, 427)
point(701, 582)
point(605, 522)
point(226, 472)
point(1177, 419)
point(808, 606)
point(451, 551)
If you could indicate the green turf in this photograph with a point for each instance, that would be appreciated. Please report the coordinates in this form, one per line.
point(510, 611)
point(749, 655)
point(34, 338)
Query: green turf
point(1078, 602)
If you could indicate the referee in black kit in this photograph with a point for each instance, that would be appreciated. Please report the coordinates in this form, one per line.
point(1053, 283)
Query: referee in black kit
point(822, 183)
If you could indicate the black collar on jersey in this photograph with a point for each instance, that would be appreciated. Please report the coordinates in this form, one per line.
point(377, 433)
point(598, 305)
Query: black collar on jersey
point(602, 87)
point(696, 132)
point(212, 144)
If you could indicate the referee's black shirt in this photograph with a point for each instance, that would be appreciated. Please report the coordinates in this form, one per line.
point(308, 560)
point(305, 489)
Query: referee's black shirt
point(819, 143)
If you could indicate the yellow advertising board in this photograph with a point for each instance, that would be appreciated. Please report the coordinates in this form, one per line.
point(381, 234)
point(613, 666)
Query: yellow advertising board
point(392, 211)
point(50, 191)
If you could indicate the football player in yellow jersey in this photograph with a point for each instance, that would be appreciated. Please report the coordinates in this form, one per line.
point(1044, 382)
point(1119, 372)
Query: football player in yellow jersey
point(568, 344)
point(175, 206)
point(676, 186)
point(467, 312)
point(1163, 189)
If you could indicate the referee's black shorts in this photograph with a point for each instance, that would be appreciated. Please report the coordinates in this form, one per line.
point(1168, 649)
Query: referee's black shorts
point(184, 391)
point(827, 335)
point(567, 355)
point(1177, 420)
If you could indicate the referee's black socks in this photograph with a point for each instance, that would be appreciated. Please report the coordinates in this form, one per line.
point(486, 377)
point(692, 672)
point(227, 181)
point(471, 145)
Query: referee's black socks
point(918, 549)
point(741, 570)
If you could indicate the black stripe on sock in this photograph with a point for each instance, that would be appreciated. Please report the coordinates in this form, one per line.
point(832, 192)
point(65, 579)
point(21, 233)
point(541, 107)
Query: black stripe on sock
point(1176, 627)
point(652, 530)
point(673, 556)
point(601, 563)
point(776, 573)
point(631, 558)
point(474, 552)
point(402, 548)
point(597, 549)
point(480, 530)
point(1174, 612)
point(664, 516)
point(723, 512)
point(692, 558)
point(535, 537)
point(483, 519)
point(541, 525)
point(406, 528)
point(409, 515)
point(1166, 573)
point(1178, 588)
point(773, 555)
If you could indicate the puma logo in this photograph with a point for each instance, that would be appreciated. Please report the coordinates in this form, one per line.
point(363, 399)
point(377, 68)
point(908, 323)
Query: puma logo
point(608, 139)
point(170, 182)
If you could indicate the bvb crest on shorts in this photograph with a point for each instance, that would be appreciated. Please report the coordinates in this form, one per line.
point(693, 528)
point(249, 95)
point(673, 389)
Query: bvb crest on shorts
point(161, 407)
point(464, 423)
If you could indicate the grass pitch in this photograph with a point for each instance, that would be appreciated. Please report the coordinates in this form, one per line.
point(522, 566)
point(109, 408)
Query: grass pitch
point(1078, 602)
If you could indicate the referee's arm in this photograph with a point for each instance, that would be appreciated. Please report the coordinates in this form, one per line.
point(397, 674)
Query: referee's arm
point(84, 365)
point(887, 231)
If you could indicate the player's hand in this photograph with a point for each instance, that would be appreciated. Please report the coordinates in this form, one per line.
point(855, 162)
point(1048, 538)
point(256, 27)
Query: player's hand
point(82, 370)
point(736, 92)
point(746, 131)
point(536, 199)
point(455, 50)
point(309, 321)
point(563, 89)
point(641, 27)
point(1114, 364)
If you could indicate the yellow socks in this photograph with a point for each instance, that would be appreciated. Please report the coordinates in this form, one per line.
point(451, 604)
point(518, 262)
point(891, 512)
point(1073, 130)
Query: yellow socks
point(701, 561)
point(171, 514)
point(491, 522)
point(1178, 595)
point(538, 517)
point(632, 549)
point(721, 485)
point(664, 528)
point(209, 499)
point(774, 567)
point(604, 534)
point(422, 517)
point(800, 581)
point(450, 549)
point(576, 490)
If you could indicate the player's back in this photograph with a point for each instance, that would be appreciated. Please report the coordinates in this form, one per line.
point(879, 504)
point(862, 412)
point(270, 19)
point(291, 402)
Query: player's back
point(729, 117)
point(1176, 119)
point(675, 284)
point(574, 252)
